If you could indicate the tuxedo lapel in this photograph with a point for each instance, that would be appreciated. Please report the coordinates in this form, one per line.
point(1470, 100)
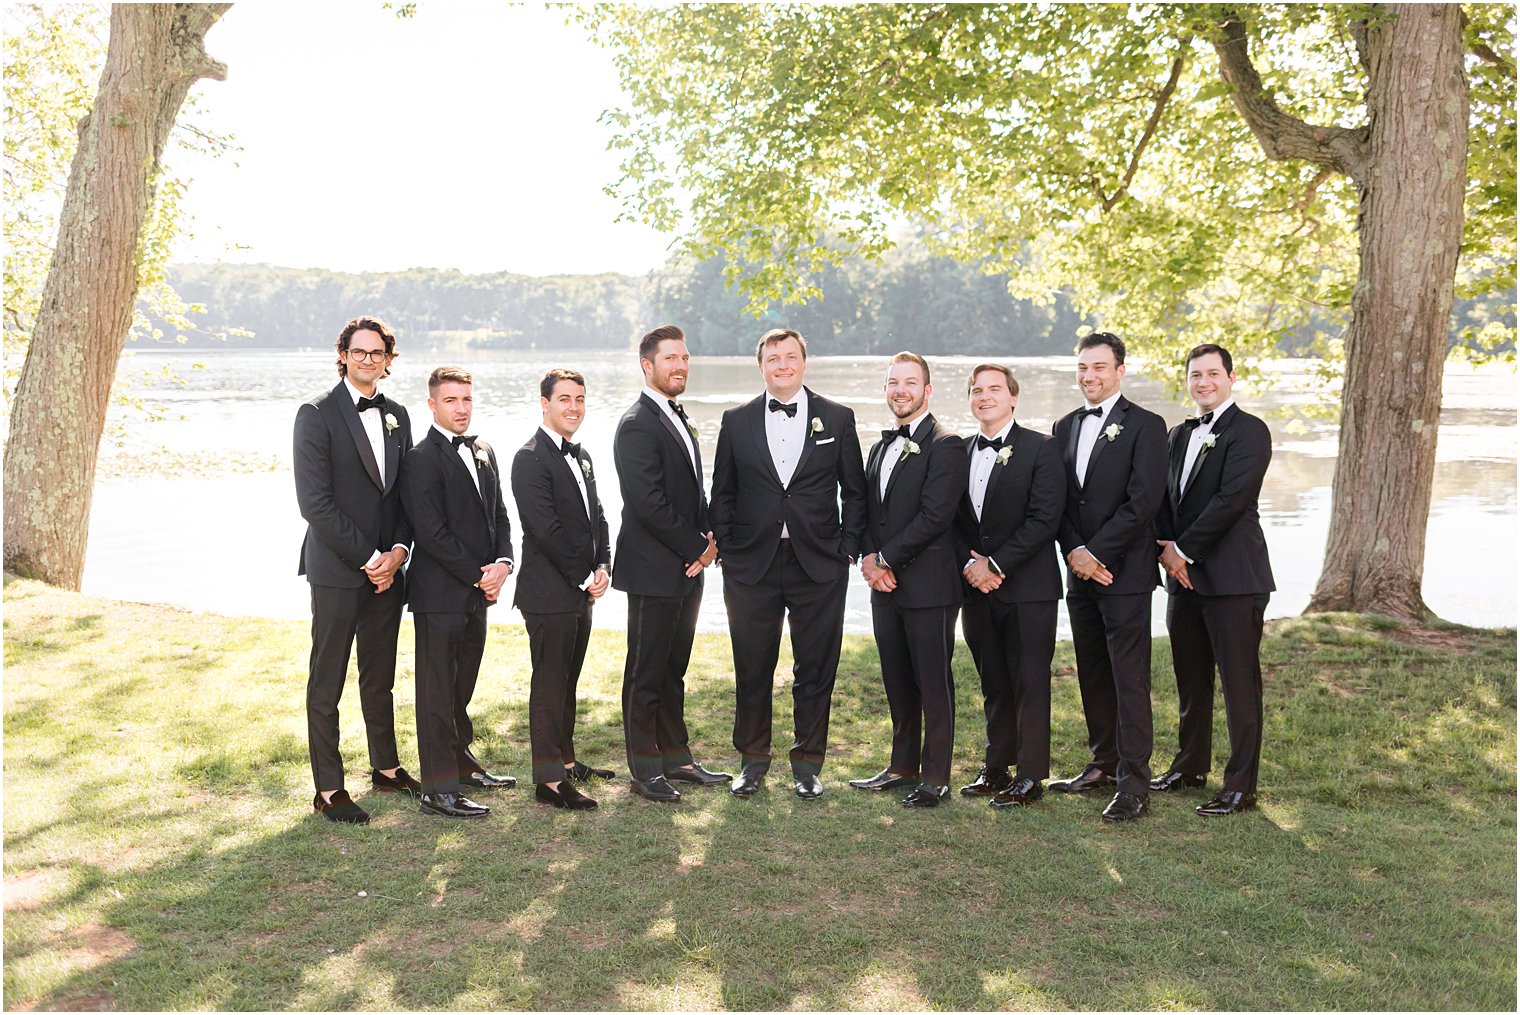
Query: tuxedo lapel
point(345, 406)
point(674, 429)
point(756, 425)
point(807, 432)
point(1217, 432)
point(873, 471)
point(925, 426)
point(1072, 437)
point(392, 454)
point(1115, 417)
point(1178, 456)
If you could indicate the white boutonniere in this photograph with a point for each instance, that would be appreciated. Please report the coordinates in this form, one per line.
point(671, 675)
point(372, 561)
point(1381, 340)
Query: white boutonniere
point(482, 458)
point(390, 422)
point(909, 448)
point(692, 429)
point(1112, 431)
point(1004, 455)
point(817, 425)
point(586, 469)
point(1208, 440)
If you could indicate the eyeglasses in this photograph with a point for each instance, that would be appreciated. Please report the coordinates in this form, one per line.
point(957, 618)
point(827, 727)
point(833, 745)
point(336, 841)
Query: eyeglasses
point(367, 355)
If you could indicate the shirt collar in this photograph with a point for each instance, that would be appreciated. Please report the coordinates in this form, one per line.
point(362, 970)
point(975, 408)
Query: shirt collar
point(1218, 411)
point(1107, 405)
point(353, 392)
point(661, 400)
point(1000, 435)
point(446, 434)
point(912, 424)
point(559, 442)
point(800, 400)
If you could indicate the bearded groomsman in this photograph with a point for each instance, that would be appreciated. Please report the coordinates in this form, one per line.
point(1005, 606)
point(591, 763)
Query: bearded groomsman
point(1006, 531)
point(349, 445)
point(566, 564)
point(1115, 456)
point(1218, 580)
point(788, 512)
point(915, 478)
point(663, 546)
point(463, 555)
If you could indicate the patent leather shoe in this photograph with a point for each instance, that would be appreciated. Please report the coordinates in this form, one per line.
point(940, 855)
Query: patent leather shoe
point(341, 808)
point(1019, 793)
point(656, 789)
point(585, 773)
point(1092, 777)
point(1173, 780)
point(751, 778)
point(1124, 807)
point(401, 782)
point(926, 794)
point(485, 780)
point(1227, 801)
point(564, 796)
point(451, 805)
point(808, 787)
point(884, 780)
point(697, 774)
point(988, 781)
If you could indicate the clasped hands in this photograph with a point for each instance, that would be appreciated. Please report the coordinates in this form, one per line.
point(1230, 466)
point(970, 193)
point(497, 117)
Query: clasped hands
point(979, 574)
point(492, 577)
point(1174, 562)
point(382, 573)
point(708, 556)
point(882, 579)
point(1085, 565)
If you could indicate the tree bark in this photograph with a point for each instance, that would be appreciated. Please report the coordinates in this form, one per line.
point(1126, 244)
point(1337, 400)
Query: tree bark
point(156, 52)
point(1410, 227)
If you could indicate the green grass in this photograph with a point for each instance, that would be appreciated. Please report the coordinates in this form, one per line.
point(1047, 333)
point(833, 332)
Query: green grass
point(160, 851)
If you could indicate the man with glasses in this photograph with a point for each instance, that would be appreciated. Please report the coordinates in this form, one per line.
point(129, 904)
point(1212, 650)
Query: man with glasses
point(349, 444)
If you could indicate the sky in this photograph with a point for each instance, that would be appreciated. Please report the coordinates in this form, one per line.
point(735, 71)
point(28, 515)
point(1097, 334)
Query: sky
point(465, 137)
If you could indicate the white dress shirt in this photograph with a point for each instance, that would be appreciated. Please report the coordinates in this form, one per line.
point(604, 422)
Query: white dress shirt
point(894, 451)
point(982, 460)
point(785, 436)
point(374, 429)
point(1087, 437)
point(1195, 446)
point(574, 466)
point(663, 403)
point(466, 455)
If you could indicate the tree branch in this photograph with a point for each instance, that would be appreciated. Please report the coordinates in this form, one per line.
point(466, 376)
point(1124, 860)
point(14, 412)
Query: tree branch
point(1162, 98)
point(1282, 136)
point(191, 23)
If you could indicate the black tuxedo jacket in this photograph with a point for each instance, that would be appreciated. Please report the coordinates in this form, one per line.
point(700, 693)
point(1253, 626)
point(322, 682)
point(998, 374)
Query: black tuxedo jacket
point(912, 526)
point(457, 531)
point(664, 509)
point(349, 513)
point(1216, 522)
point(823, 508)
point(1114, 514)
point(562, 544)
point(1020, 515)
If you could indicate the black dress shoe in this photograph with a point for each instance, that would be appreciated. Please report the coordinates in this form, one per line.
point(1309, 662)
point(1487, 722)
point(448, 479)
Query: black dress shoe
point(751, 778)
point(1124, 807)
point(697, 774)
point(1176, 780)
point(1019, 793)
point(656, 789)
point(451, 805)
point(485, 780)
point(1227, 801)
point(583, 773)
point(1092, 777)
point(926, 794)
point(563, 796)
point(808, 787)
point(884, 780)
point(988, 781)
point(401, 782)
point(341, 808)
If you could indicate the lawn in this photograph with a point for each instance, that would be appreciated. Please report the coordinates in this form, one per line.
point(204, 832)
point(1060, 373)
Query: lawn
point(160, 850)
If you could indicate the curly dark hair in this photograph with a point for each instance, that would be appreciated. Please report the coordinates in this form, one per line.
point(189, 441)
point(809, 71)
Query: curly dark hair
point(365, 323)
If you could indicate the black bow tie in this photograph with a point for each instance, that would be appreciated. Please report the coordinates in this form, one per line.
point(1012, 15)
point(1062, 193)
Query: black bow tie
point(1194, 423)
point(573, 450)
point(995, 443)
point(465, 439)
point(378, 402)
point(901, 431)
point(1084, 413)
point(790, 408)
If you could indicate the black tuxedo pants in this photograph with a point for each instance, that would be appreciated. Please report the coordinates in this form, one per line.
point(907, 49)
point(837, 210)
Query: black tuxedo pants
point(557, 643)
point(339, 618)
point(1112, 639)
point(449, 650)
point(755, 615)
point(1013, 644)
point(1222, 631)
point(660, 633)
point(915, 646)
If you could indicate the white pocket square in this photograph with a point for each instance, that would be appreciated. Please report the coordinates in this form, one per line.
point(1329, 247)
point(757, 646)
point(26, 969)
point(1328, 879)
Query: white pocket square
point(826, 440)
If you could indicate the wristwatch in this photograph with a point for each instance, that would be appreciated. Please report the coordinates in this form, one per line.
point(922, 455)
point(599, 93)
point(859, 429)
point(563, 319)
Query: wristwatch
point(881, 561)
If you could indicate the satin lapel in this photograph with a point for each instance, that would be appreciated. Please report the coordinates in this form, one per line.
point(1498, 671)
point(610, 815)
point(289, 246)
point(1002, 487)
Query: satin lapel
point(756, 425)
point(345, 405)
point(1071, 447)
point(1117, 416)
point(873, 472)
point(1217, 432)
point(447, 449)
point(925, 427)
point(583, 462)
point(997, 466)
point(1178, 456)
point(488, 489)
point(392, 455)
point(674, 429)
point(807, 432)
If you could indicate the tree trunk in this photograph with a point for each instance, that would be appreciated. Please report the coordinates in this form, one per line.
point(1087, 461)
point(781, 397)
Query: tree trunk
point(156, 53)
point(1410, 224)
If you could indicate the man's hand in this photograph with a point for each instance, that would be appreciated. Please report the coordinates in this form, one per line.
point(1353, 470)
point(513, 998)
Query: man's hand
point(599, 584)
point(383, 572)
point(1085, 565)
point(1174, 562)
point(979, 575)
point(708, 556)
point(492, 577)
point(879, 578)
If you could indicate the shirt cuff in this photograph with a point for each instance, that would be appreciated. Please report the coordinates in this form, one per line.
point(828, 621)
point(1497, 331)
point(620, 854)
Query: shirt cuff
point(406, 551)
point(969, 562)
point(374, 557)
point(994, 566)
point(505, 560)
point(1183, 554)
point(583, 586)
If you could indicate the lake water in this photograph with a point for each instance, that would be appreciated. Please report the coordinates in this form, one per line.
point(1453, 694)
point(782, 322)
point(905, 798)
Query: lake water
point(198, 508)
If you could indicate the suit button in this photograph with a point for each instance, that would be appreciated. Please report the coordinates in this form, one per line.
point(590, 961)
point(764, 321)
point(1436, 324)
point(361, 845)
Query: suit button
point(786, 496)
point(1082, 501)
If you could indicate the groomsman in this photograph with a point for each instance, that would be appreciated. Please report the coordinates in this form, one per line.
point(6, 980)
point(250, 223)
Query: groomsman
point(565, 567)
point(349, 444)
point(1005, 532)
point(788, 512)
point(1115, 456)
point(1218, 580)
point(915, 478)
point(462, 557)
point(663, 546)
